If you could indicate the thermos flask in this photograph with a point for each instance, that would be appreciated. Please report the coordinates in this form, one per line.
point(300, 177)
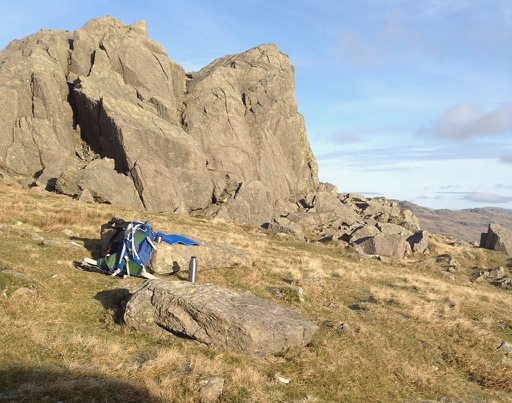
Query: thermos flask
point(192, 269)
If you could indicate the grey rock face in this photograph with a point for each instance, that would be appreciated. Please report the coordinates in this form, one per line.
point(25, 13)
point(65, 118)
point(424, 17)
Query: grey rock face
point(218, 317)
point(225, 141)
point(497, 238)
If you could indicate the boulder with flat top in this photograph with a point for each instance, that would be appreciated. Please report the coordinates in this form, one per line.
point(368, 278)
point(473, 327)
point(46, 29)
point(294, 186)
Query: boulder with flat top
point(218, 317)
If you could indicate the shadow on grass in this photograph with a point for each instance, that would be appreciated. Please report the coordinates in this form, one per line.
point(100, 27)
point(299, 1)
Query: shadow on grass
point(92, 245)
point(114, 300)
point(20, 383)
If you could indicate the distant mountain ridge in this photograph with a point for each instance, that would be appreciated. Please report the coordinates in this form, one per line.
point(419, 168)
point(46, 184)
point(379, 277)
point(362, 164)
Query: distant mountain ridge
point(465, 225)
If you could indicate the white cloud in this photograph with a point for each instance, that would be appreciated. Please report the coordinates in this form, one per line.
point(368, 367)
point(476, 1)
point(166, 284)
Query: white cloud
point(468, 120)
point(481, 197)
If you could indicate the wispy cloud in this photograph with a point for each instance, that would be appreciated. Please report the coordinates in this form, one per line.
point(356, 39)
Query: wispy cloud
point(481, 197)
point(360, 134)
point(467, 120)
point(346, 138)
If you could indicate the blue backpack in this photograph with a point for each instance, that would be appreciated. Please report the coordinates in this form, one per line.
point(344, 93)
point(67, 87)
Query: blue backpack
point(130, 246)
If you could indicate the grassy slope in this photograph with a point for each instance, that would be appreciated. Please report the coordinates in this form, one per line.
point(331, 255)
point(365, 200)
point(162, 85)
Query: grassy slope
point(412, 333)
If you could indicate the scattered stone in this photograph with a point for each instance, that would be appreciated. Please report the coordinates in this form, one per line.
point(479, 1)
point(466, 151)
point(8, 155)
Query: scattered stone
point(211, 388)
point(37, 238)
point(283, 380)
point(481, 276)
point(497, 273)
point(216, 316)
point(447, 260)
point(448, 275)
point(505, 347)
point(505, 283)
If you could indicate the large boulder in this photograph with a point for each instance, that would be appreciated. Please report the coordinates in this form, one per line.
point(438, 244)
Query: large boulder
point(394, 245)
point(217, 317)
point(497, 238)
point(100, 180)
point(169, 259)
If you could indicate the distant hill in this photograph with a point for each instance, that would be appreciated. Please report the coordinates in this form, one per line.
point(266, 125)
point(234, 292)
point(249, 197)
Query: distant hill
point(465, 225)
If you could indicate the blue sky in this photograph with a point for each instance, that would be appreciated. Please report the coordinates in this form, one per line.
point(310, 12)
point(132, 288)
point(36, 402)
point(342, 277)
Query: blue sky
point(406, 99)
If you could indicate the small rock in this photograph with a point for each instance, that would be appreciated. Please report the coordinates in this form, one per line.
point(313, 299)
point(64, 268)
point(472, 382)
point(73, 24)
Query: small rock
point(481, 276)
point(447, 260)
point(497, 273)
point(211, 388)
point(505, 347)
point(344, 328)
point(448, 275)
point(37, 237)
point(283, 380)
point(505, 282)
point(68, 233)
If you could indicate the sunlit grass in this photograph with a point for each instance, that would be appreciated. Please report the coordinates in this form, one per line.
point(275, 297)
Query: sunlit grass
point(387, 330)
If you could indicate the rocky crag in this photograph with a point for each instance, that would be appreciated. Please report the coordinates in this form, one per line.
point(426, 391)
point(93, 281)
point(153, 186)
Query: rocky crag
point(102, 114)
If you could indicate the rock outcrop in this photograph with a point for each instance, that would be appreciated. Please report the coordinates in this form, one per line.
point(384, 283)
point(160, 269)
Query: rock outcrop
point(105, 104)
point(220, 318)
point(374, 226)
point(497, 238)
point(102, 114)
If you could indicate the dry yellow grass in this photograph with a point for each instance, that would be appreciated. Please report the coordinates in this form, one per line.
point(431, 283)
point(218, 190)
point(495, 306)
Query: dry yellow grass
point(388, 331)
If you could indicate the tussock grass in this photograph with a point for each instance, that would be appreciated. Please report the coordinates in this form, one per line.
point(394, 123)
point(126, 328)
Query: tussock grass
point(388, 331)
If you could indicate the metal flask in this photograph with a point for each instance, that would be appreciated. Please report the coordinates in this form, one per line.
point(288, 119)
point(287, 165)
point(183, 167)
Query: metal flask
point(192, 269)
